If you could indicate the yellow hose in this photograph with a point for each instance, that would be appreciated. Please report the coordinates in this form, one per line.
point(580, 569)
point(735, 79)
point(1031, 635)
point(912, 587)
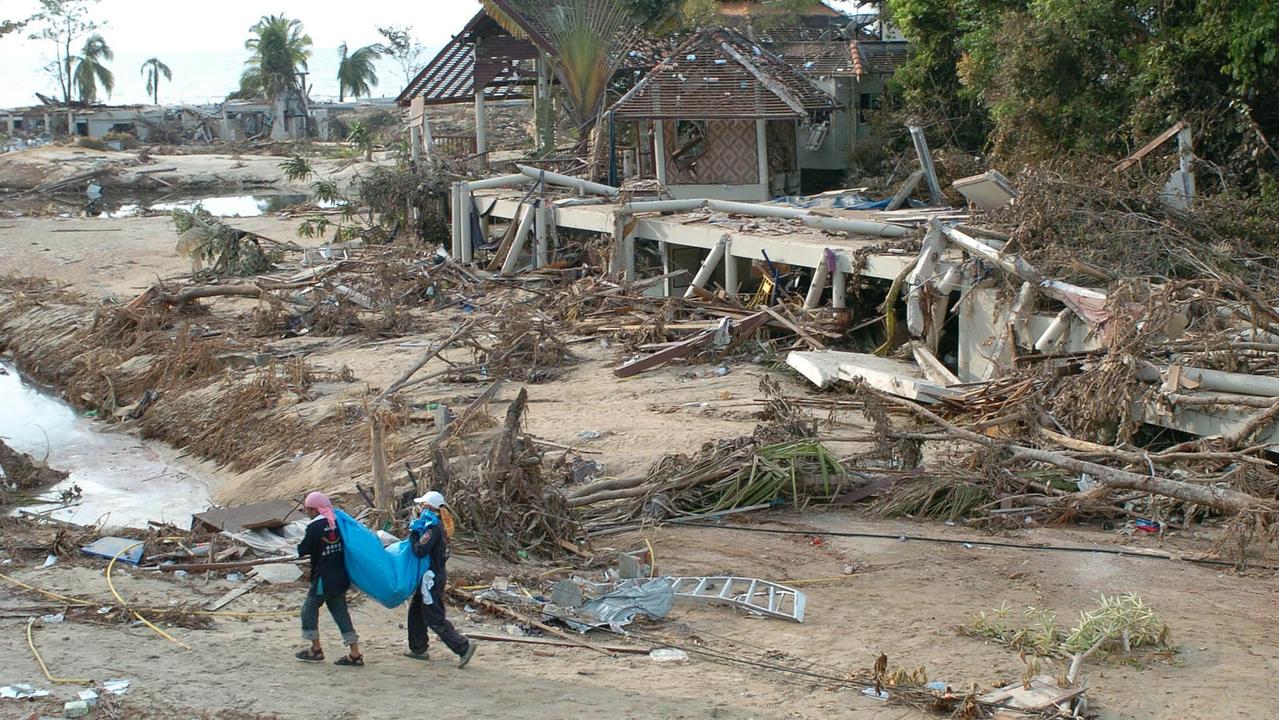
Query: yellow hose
point(143, 620)
point(64, 598)
point(652, 558)
point(31, 643)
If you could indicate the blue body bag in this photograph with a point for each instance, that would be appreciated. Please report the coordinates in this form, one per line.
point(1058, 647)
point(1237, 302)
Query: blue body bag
point(389, 574)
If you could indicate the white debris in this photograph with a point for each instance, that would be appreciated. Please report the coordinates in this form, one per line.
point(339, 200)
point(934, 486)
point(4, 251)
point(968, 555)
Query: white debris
point(21, 691)
point(663, 655)
point(116, 687)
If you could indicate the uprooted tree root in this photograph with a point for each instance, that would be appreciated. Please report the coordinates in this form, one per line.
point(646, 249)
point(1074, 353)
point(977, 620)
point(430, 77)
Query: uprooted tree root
point(523, 345)
point(507, 506)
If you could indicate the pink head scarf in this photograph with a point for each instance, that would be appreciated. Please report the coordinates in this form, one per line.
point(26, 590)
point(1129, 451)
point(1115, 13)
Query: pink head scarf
point(319, 502)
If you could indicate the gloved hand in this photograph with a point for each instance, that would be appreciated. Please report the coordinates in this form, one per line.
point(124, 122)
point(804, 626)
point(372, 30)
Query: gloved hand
point(419, 525)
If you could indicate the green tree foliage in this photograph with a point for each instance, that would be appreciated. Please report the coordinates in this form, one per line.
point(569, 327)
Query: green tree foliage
point(63, 22)
point(404, 48)
point(1052, 76)
point(280, 51)
point(152, 70)
point(362, 139)
point(357, 72)
point(91, 70)
point(12, 26)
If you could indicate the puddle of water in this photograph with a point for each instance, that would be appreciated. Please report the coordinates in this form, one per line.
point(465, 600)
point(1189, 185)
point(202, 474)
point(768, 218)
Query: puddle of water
point(221, 206)
point(125, 481)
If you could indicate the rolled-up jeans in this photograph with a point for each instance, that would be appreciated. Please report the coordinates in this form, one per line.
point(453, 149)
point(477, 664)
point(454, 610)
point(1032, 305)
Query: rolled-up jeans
point(337, 608)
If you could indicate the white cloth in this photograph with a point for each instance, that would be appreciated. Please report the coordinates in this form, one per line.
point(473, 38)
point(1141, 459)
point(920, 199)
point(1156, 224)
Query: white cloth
point(428, 582)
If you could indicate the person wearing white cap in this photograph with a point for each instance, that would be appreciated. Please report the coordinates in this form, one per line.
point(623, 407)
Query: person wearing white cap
point(429, 538)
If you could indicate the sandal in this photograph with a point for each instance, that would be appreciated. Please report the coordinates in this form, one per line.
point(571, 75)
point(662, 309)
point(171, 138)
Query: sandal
point(310, 655)
point(349, 661)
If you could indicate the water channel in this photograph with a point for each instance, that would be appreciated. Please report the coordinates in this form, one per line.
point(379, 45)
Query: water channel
point(124, 481)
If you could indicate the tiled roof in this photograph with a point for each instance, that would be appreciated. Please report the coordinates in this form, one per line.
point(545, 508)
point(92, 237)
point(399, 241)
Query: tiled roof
point(450, 77)
point(831, 58)
point(879, 57)
point(719, 74)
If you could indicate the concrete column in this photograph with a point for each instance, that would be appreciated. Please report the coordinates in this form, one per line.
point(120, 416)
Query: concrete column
point(468, 210)
point(456, 198)
point(543, 113)
point(415, 144)
point(820, 275)
point(706, 270)
point(668, 284)
point(544, 218)
point(481, 127)
point(730, 270)
point(761, 144)
point(839, 289)
point(659, 150)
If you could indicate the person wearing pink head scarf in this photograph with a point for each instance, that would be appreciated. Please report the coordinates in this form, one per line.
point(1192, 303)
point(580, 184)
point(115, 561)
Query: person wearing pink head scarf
point(329, 582)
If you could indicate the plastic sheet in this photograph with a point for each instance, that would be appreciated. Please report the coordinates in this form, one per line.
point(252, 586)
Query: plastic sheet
point(388, 575)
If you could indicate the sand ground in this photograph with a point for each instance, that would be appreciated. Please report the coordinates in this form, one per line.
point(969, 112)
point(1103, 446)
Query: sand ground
point(904, 598)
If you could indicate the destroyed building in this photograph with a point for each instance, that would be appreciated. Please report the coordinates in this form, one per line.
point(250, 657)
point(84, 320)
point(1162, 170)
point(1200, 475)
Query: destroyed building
point(848, 60)
point(721, 117)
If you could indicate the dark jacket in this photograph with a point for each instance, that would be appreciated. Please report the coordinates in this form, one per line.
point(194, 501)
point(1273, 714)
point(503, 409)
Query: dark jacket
point(432, 543)
point(328, 558)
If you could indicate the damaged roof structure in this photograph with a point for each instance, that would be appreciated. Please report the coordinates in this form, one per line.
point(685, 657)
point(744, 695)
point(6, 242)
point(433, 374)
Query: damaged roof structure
point(726, 114)
point(508, 50)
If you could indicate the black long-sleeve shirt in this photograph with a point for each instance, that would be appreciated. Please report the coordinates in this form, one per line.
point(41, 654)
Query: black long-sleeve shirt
point(328, 558)
point(432, 543)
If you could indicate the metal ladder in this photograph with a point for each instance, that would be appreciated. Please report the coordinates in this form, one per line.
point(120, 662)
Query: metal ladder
point(749, 594)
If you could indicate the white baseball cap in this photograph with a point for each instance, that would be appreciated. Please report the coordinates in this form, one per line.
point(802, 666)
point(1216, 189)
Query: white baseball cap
point(433, 499)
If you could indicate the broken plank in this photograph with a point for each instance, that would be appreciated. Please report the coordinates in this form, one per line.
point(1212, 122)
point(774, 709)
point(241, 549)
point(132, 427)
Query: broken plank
point(808, 339)
point(622, 649)
point(739, 331)
point(657, 359)
point(231, 596)
point(890, 376)
point(905, 191)
point(1145, 150)
point(933, 368)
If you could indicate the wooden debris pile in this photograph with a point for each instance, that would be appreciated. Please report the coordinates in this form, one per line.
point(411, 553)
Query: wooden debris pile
point(507, 506)
point(1175, 326)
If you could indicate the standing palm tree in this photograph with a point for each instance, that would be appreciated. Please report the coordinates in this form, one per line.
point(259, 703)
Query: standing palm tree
point(357, 72)
point(152, 70)
point(90, 70)
point(280, 52)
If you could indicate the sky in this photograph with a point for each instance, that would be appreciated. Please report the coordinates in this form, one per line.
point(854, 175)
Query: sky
point(203, 43)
